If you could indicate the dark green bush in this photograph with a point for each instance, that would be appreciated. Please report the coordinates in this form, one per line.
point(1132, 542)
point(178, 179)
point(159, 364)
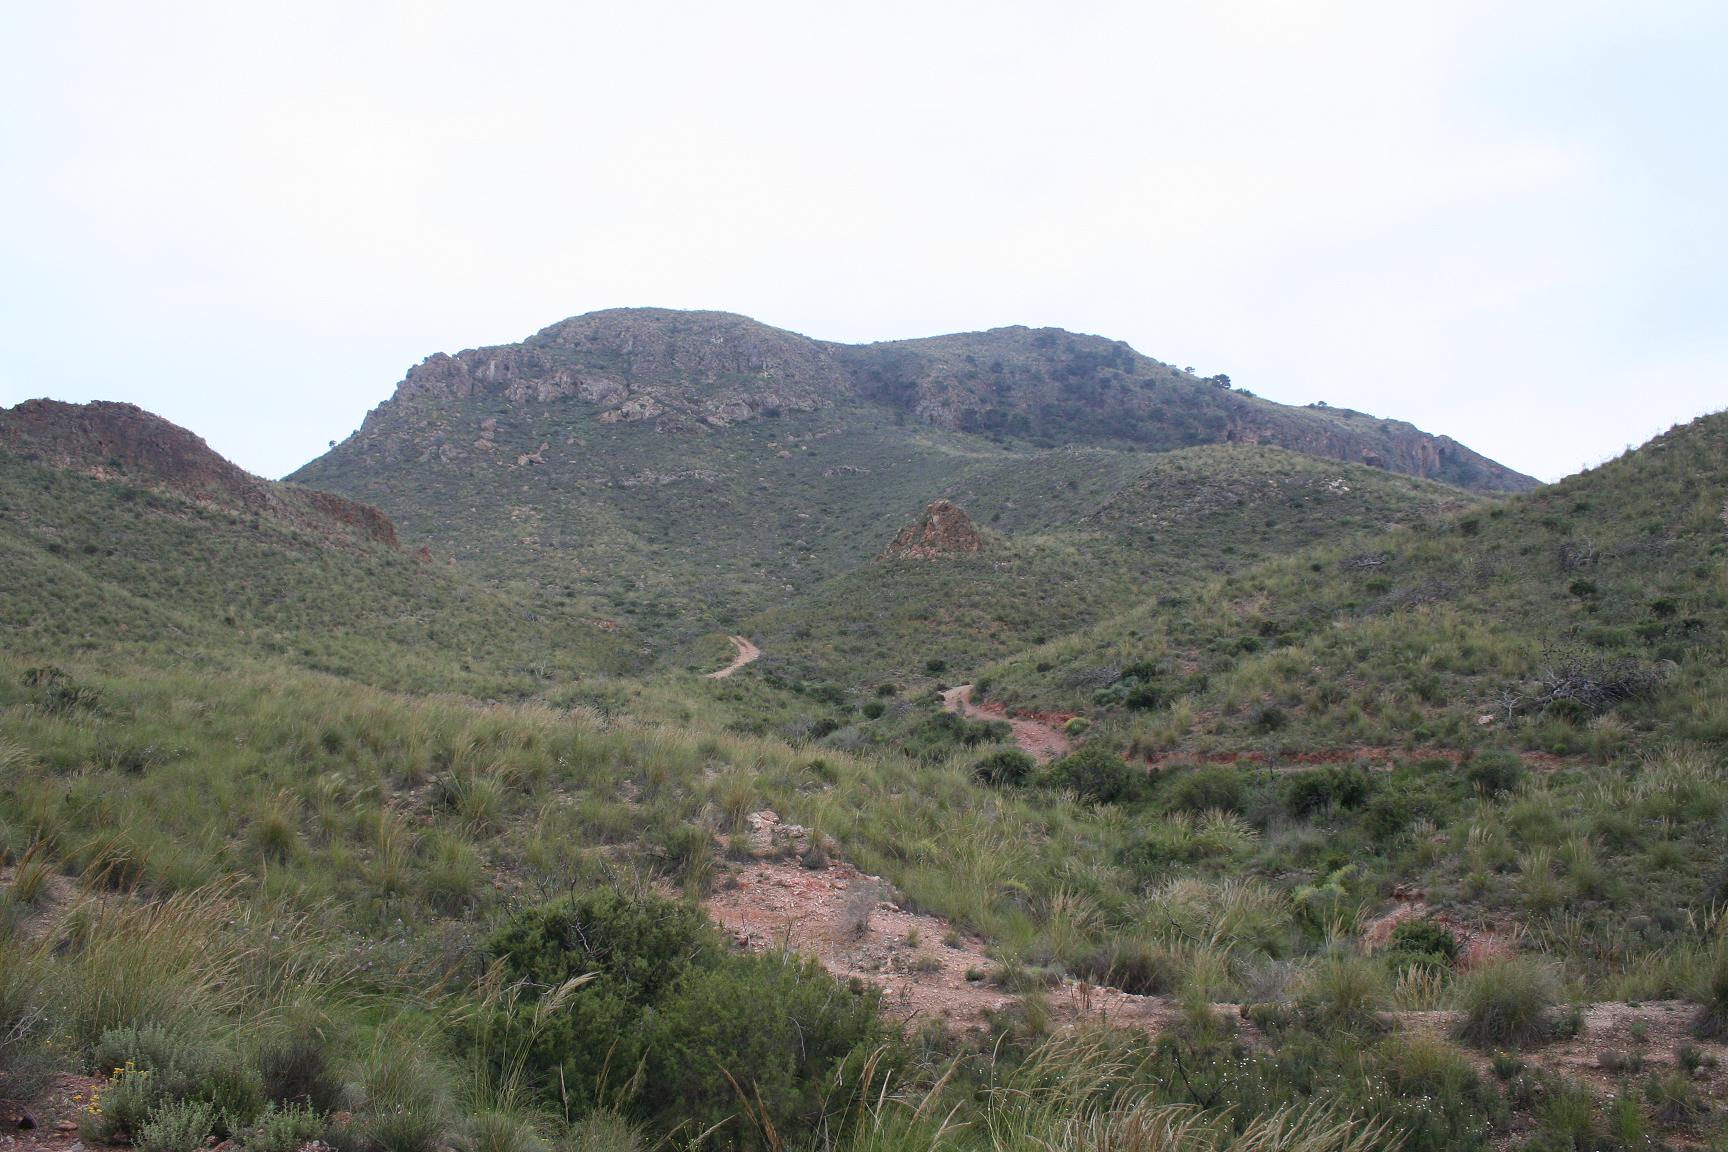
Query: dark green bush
point(1216, 786)
point(1006, 769)
point(637, 947)
point(1424, 938)
point(1495, 771)
point(1317, 791)
point(1135, 966)
point(773, 1029)
point(1099, 775)
point(701, 1024)
point(294, 1063)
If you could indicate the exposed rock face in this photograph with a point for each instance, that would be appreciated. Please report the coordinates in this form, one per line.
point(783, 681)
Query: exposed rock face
point(1064, 387)
point(641, 363)
point(123, 442)
point(688, 371)
point(943, 531)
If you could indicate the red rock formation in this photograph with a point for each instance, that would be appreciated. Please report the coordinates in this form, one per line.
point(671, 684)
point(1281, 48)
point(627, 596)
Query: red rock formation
point(944, 530)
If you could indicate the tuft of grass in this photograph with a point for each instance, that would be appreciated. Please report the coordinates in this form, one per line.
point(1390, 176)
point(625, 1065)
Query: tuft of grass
point(1508, 1004)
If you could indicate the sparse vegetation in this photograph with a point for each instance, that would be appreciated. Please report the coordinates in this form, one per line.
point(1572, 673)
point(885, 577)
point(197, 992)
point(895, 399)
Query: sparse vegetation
point(356, 851)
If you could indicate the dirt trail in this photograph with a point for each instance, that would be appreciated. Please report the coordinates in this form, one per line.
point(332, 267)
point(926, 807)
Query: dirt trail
point(745, 653)
point(847, 920)
point(928, 971)
point(1036, 738)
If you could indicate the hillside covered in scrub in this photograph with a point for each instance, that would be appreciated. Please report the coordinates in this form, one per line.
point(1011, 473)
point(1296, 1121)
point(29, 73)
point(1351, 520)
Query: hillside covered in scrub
point(689, 468)
point(1368, 811)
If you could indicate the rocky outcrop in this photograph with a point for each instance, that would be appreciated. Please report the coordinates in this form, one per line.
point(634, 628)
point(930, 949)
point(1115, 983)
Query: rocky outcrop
point(636, 364)
point(689, 371)
point(124, 443)
point(943, 531)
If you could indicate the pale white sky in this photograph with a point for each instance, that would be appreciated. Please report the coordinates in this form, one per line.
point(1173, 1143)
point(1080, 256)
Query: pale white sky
point(1501, 220)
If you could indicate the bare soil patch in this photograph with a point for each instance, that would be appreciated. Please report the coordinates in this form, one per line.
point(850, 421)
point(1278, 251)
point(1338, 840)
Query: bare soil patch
point(1036, 734)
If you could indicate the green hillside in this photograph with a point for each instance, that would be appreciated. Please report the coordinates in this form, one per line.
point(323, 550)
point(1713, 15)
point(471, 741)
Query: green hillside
point(304, 837)
point(692, 468)
point(141, 573)
point(1582, 618)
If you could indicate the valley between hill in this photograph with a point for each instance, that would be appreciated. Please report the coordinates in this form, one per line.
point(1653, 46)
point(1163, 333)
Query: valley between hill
point(675, 731)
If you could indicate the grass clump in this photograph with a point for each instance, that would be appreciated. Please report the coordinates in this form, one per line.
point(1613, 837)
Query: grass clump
point(1346, 993)
point(1508, 1004)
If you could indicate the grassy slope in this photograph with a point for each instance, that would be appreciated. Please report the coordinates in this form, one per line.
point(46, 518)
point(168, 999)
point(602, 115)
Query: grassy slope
point(1620, 564)
point(379, 835)
point(1074, 536)
point(745, 513)
point(97, 566)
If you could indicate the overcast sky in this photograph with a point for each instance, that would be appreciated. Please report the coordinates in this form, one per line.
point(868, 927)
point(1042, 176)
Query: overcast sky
point(1503, 221)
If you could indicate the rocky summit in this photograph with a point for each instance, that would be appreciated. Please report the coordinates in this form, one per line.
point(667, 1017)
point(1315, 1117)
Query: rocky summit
point(689, 371)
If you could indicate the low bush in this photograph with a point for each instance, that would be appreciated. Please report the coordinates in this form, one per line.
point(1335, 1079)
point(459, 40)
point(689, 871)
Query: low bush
point(176, 1126)
point(1495, 772)
point(1099, 775)
point(1009, 768)
point(1135, 966)
point(1345, 992)
point(1221, 787)
point(1325, 788)
point(1424, 938)
point(1508, 1004)
point(672, 1028)
point(1711, 1022)
point(283, 1129)
point(775, 1032)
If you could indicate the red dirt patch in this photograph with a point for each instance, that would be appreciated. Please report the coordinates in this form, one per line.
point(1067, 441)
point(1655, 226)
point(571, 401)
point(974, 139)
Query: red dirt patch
point(1033, 731)
point(847, 920)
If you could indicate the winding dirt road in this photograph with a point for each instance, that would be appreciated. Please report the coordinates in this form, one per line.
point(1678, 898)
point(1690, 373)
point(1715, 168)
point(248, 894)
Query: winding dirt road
point(744, 653)
point(1035, 738)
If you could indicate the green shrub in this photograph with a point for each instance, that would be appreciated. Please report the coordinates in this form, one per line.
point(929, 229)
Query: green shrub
point(774, 1031)
point(294, 1066)
point(1437, 1101)
point(1009, 768)
point(404, 1104)
point(1099, 775)
point(1495, 772)
point(1424, 938)
point(1345, 992)
point(25, 1068)
point(602, 1131)
point(637, 947)
point(1674, 1097)
point(1508, 1004)
point(1341, 787)
point(1711, 1022)
point(176, 1126)
point(669, 999)
point(1566, 1118)
point(156, 1065)
point(283, 1129)
point(1135, 966)
point(119, 1107)
point(497, 1131)
point(1219, 786)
